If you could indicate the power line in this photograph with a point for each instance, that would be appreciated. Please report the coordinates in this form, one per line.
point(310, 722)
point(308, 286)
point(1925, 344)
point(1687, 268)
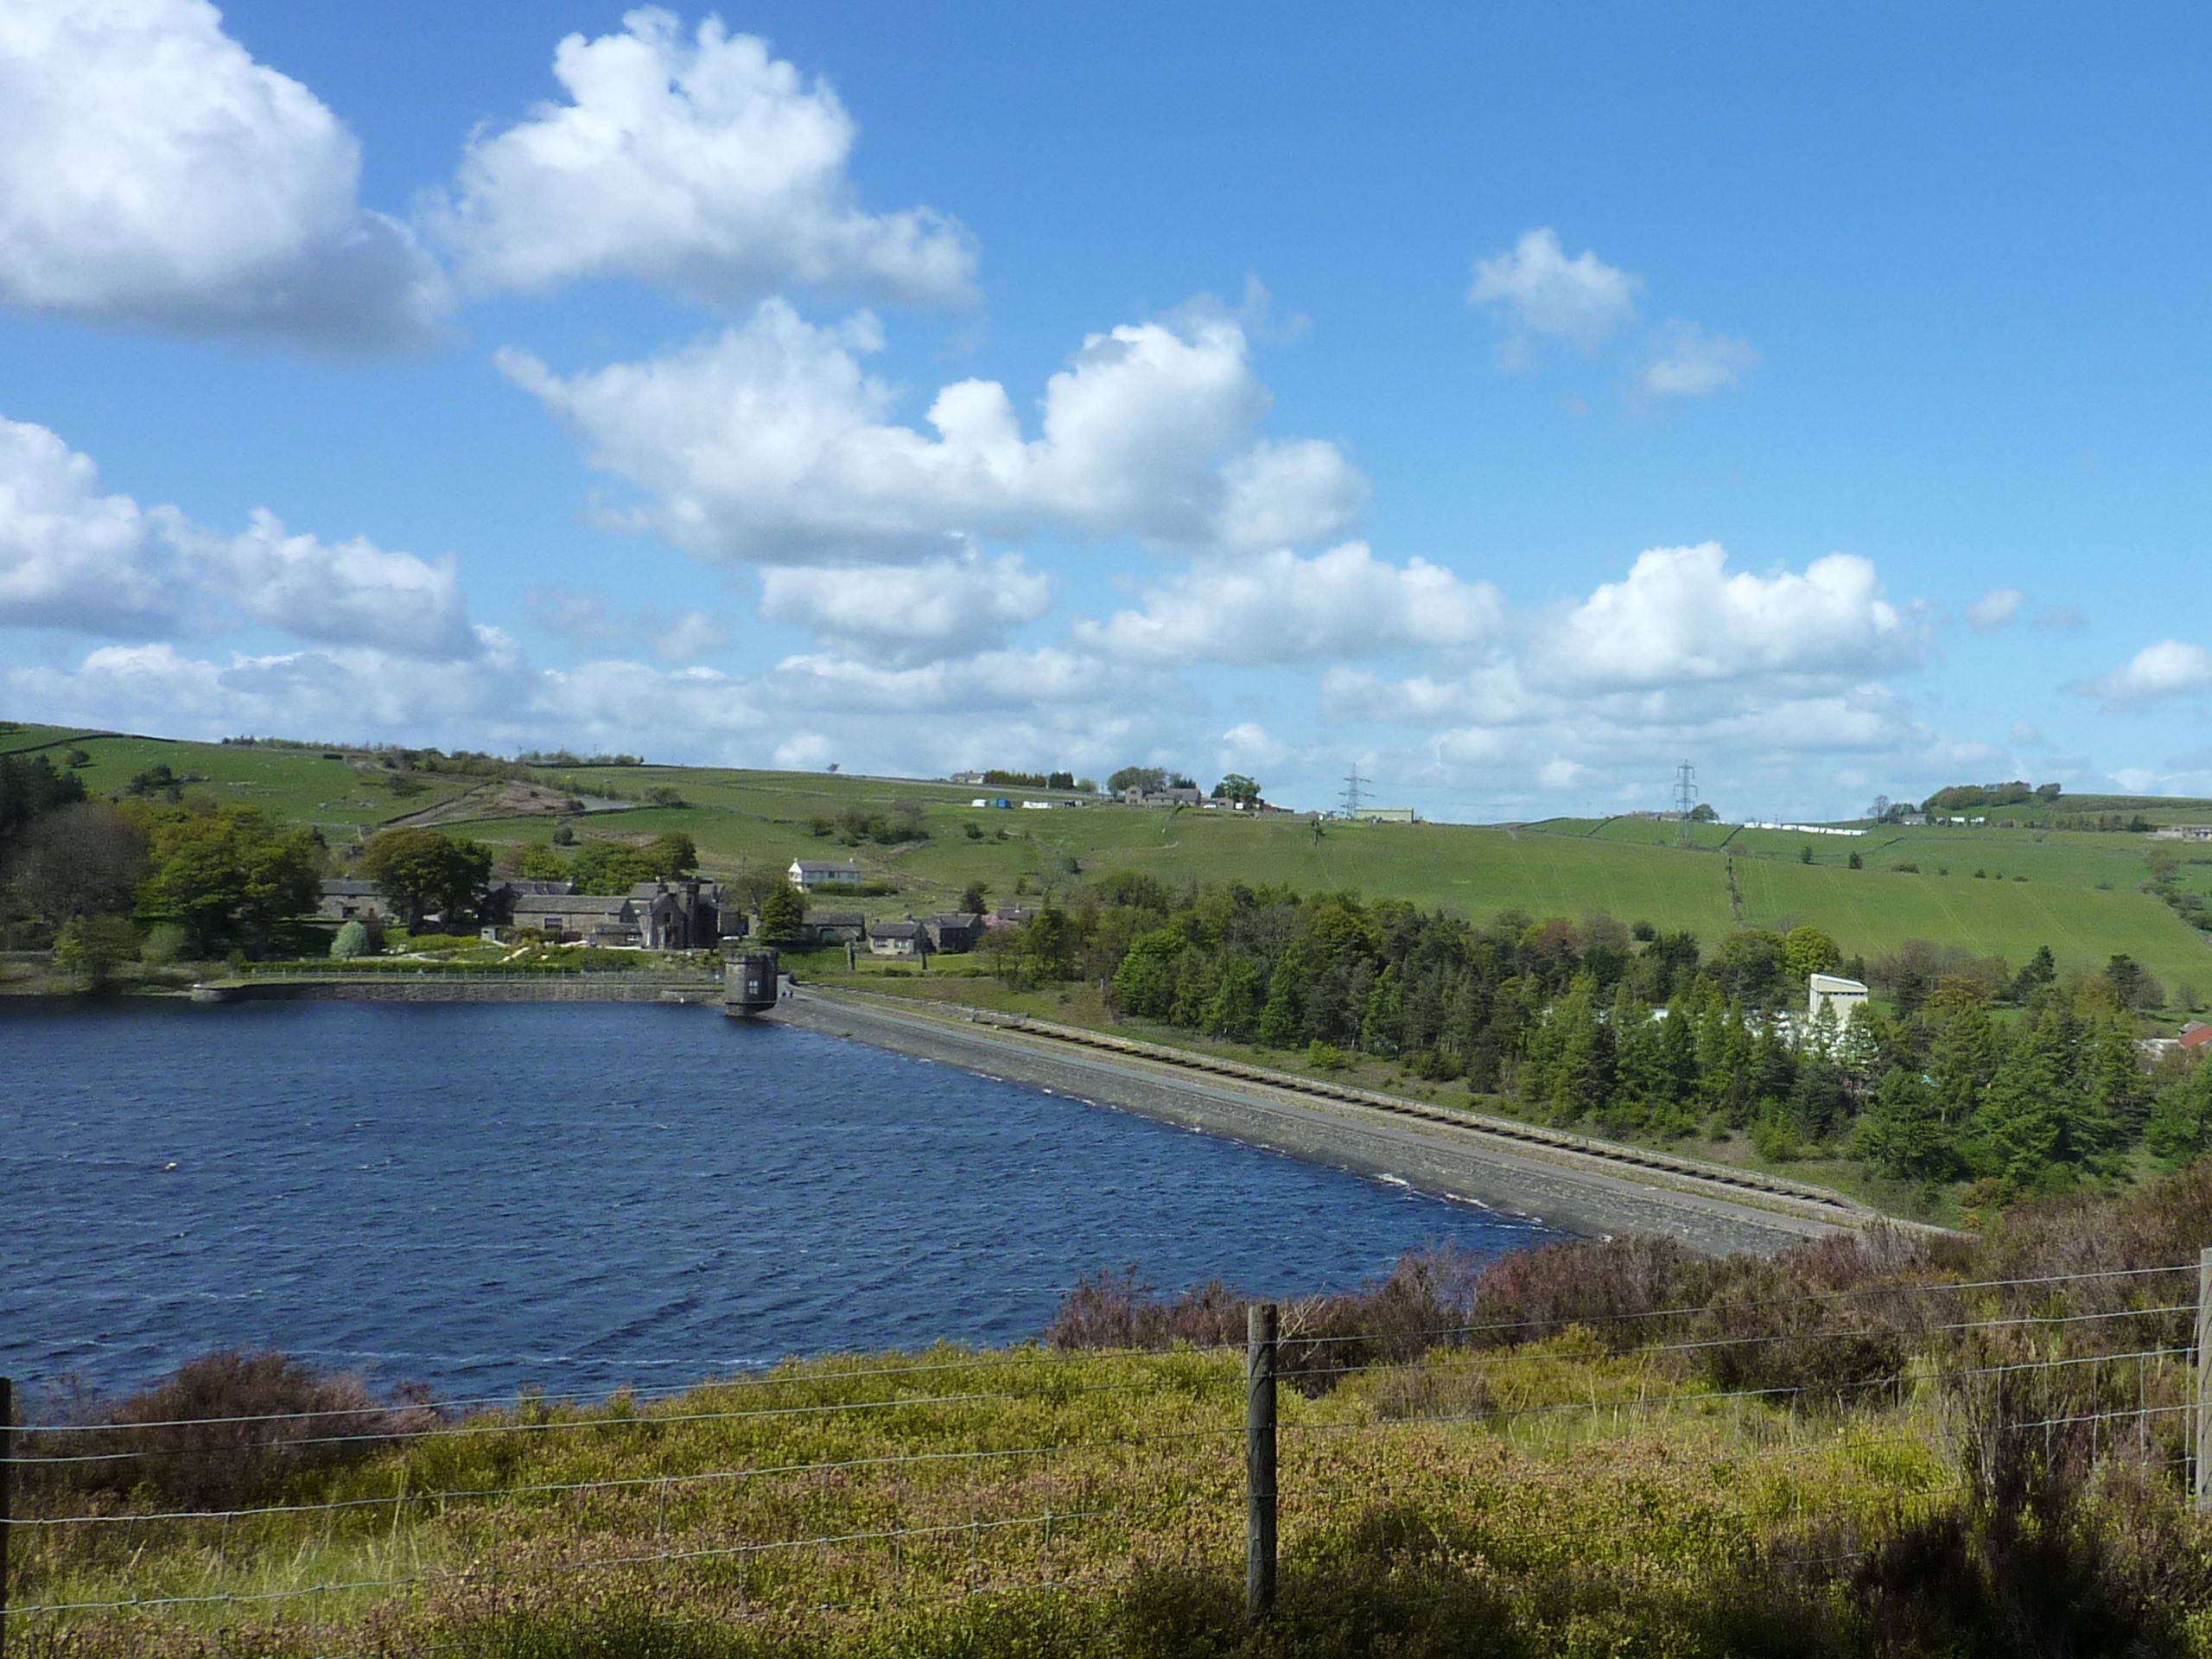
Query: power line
point(1352, 796)
point(1685, 799)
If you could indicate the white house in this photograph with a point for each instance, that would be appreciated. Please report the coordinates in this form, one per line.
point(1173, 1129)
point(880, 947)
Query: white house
point(1836, 992)
point(807, 874)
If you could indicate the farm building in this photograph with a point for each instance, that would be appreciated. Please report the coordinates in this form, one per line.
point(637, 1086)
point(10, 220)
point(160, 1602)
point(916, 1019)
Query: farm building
point(347, 899)
point(808, 874)
point(897, 939)
point(592, 917)
point(683, 915)
point(1832, 990)
point(953, 931)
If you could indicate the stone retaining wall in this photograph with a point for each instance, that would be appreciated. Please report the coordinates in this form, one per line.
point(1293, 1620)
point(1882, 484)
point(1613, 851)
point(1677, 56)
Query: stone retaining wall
point(435, 987)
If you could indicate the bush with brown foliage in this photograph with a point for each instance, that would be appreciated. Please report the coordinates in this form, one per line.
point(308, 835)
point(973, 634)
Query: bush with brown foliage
point(1630, 1291)
point(224, 1430)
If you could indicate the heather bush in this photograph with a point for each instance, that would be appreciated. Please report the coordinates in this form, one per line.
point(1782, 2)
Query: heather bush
point(226, 1429)
point(1627, 1290)
point(1424, 1302)
point(1786, 1325)
point(1109, 1309)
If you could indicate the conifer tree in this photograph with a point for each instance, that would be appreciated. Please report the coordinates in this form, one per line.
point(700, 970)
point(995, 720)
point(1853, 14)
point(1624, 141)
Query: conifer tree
point(2022, 1121)
point(1581, 1073)
point(1902, 1131)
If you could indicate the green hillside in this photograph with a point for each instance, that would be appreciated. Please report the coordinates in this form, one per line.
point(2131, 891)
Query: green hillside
point(2082, 892)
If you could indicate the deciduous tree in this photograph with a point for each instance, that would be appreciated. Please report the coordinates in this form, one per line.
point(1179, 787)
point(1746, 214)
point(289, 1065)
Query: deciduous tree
point(80, 859)
point(422, 871)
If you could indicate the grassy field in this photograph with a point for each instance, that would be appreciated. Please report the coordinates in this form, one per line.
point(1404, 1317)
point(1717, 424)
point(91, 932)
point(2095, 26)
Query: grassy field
point(341, 795)
point(2079, 892)
point(1564, 1499)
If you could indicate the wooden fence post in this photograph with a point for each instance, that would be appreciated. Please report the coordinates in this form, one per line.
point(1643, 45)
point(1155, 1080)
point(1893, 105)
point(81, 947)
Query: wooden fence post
point(7, 1513)
point(2200, 1485)
point(1261, 1324)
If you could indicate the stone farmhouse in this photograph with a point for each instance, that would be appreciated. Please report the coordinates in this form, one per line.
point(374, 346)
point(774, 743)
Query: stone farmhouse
point(953, 932)
point(906, 938)
point(347, 899)
point(685, 915)
point(600, 919)
point(807, 874)
point(682, 915)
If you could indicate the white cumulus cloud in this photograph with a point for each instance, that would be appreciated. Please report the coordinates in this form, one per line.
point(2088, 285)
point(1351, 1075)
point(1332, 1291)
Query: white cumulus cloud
point(1680, 616)
point(703, 163)
point(1279, 608)
point(1542, 293)
point(2170, 668)
point(770, 442)
point(72, 557)
point(152, 173)
point(909, 614)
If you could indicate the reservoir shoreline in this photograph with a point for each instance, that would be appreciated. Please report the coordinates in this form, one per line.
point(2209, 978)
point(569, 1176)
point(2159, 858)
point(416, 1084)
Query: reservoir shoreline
point(1447, 1160)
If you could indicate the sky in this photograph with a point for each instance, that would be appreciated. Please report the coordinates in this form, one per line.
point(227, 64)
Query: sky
point(1505, 403)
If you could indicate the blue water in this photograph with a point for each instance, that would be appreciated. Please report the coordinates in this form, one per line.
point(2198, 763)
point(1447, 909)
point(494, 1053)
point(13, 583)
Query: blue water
point(580, 1196)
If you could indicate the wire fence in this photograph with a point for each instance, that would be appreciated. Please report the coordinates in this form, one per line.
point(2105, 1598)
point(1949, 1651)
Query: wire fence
point(1804, 1430)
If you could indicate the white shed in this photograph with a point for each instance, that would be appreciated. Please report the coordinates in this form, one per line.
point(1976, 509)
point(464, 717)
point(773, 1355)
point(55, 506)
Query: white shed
point(1836, 992)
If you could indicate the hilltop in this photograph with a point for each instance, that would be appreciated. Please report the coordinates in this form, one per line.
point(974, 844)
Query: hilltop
point(1987, 890)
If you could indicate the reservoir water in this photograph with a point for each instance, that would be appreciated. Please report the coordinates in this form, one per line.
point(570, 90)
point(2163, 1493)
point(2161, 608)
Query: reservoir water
point(580, 1196)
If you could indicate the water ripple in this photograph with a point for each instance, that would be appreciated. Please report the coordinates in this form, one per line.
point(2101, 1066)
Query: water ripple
point(486, 1196)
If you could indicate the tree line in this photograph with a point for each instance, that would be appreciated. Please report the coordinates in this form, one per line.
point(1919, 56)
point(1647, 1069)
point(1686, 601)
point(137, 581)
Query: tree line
point(2023, 1082)
point(165, 873)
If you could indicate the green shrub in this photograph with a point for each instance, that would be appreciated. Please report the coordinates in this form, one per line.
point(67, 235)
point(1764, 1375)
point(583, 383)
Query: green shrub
point(1773, 1139)
point(444, 943)
point(164, 943)
point(1324, 1057)
point(352, 941)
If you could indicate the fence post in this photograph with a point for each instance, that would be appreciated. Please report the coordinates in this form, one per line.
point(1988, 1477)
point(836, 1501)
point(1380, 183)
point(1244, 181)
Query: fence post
point(2201, 1485)
point(7, 1513)
point(1260, 1459)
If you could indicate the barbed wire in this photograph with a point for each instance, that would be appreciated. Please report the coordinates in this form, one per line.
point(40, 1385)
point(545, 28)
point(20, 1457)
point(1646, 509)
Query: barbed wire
point(1867, 1292)
point(1680, 1402)
point(465, 1430)
point(1921, 1366)
point(596, 1563)
point(524, 1399)
point(1055, 1448)
point(1507, 1359)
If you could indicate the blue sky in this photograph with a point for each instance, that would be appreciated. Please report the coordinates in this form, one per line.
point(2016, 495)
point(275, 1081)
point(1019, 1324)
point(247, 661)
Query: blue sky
point(1512, 403)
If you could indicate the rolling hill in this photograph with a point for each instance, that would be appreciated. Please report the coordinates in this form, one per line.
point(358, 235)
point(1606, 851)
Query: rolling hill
point(1988, 890)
